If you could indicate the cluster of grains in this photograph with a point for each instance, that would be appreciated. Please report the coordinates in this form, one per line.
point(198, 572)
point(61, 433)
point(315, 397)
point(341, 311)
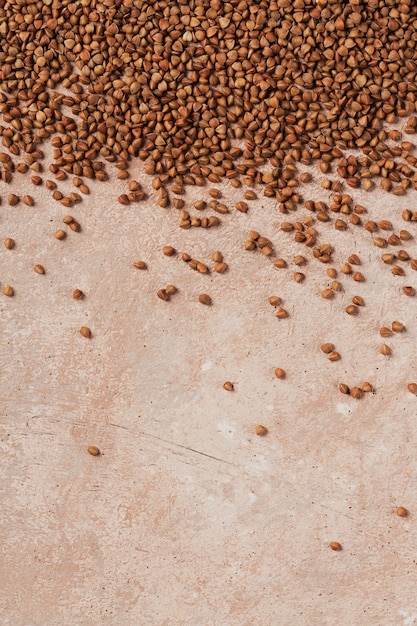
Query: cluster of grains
point(206, 92)
point(202, 90)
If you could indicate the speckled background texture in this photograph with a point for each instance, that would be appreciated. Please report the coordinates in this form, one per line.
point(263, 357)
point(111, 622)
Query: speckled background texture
point(187, 518)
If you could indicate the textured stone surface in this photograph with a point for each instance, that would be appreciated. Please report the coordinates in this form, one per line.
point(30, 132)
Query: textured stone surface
point(187, 518)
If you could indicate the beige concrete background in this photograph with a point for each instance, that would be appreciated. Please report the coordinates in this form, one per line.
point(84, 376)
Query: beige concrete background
point(188, 518)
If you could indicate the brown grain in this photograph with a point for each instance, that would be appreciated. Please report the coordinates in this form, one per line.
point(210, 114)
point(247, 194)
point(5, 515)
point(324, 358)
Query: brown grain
point(9, 243)
point(204, 298)
point(280, 263)
point(28, 200)
point(13, 199)
point(220, 268)
point(281, 314)
point(327, 348)
point(168, 250)
point(250, 244)
point(202, 268)
point(403, 255)
point(385, 349)
point(274, 300)
point(352, 309)
point(327, 294)
point(397, 327)
point(162, 295)
point(384, 331)
point(354, 259)
point(380, 242)
point(405, 235)
point(388, 258)
point(402, 511)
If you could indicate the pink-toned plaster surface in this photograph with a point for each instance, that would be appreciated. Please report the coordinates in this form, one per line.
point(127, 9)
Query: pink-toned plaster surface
point(188, 518)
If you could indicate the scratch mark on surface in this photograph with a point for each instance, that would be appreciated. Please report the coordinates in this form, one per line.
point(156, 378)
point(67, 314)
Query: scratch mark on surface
point(338, 512)
point(350, 440)
point(172, 443)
